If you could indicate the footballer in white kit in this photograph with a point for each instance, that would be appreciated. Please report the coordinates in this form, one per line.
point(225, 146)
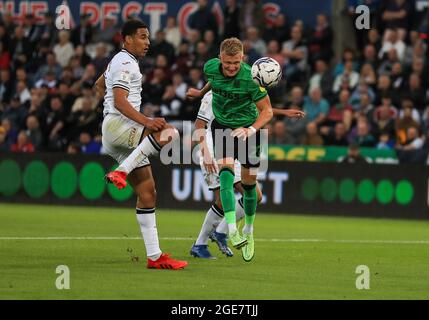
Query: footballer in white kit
point(130, 137)
point(205, 114)
point(122, 135)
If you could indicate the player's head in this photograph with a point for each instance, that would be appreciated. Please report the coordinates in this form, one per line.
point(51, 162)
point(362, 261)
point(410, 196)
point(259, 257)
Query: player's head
point(135, 35)
point(231, 55)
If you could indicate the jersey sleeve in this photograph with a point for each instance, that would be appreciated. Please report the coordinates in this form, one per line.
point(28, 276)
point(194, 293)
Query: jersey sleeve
point(205, 112)
point(122, 73)
point(210, 67)
point(256, 92)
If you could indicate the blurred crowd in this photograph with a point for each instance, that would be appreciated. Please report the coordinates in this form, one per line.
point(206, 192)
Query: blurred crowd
point(374, 96)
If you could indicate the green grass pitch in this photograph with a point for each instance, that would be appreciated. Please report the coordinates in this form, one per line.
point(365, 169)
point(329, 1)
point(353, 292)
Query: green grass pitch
point(297, 257)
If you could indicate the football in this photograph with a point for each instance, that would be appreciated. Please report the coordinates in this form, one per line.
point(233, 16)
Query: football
point(266, 72)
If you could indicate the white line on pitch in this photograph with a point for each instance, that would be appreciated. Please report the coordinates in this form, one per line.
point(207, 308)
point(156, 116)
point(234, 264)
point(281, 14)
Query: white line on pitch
point(260, 240)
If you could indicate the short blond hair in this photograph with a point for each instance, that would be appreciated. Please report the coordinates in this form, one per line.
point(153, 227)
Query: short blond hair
point(231, 46)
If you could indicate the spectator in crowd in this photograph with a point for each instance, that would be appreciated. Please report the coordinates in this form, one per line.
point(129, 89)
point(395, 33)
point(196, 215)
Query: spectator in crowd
point(203, 19)
point(20, 47)
point(348, 79)
point(322, 78)
point(279, 133)
point(362, 88)
point(316, 107)
point(413, 142)
point(296, 54)
point(279, 31)
point(363, 136)
point(416, 92)
point(252, 15)
point(211, 44)
point(172, 33)
point(33, 132)
point(347, 56)
point(370, 56)
point(101, 59)
point(64, 50)
point(5, 58)
point(51, 65)
point(312, 136)
point(250, 54)
point(16, 113)
point(320, 42)
point(294, 129)
point(335, 136)
point(10, 132)
point(354, 155)
point(55, 123)
point(384, 118)
point(161, 46)
point(6, 87)
point(364, 107)
point(257, 43)
point(405, 121)
point(4, 36)
point(48, 31)
point(231, 15)
point(393, 41)
point(22, 145)
point(396, 15)
point(387, 65)
point(106, 34)
point(88, 144)
point(341, 111)
point(83, 32)
point(3, 144)
point(296, 98)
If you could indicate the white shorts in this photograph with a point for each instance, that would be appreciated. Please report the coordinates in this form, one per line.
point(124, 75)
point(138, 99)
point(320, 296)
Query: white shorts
point(120, 136)
point(212, 179)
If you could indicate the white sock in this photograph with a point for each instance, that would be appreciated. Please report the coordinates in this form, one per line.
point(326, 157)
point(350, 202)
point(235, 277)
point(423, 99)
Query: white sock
point(239, 214)
point(213, 217)
point(146, 148)
point(147, 221)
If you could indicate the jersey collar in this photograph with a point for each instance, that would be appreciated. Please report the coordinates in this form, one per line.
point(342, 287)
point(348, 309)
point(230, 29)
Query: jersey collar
point(132, 56)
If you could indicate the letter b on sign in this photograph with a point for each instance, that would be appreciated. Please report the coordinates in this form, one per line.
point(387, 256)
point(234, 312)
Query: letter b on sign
point(362, 281)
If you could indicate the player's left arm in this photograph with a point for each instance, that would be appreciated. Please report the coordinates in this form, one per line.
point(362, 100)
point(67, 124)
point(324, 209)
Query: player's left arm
point(100, 86)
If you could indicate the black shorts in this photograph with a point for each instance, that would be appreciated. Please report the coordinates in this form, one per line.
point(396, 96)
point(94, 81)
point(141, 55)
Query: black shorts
point(225, 146)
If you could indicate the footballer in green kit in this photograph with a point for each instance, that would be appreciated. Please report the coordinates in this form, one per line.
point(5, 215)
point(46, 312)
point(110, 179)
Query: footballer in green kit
point(241, 108)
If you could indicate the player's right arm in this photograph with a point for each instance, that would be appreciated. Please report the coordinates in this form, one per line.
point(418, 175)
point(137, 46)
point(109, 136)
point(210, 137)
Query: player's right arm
point(120, 73)
point(123, 106)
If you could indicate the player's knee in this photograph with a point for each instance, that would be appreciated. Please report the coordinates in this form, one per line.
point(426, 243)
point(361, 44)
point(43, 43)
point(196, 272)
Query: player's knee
point(147, 197)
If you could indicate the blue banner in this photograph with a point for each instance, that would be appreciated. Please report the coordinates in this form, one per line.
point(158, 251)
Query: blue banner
point(155, 12)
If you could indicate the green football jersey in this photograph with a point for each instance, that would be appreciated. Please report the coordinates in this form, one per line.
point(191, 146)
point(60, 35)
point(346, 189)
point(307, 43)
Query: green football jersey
point(234, 98)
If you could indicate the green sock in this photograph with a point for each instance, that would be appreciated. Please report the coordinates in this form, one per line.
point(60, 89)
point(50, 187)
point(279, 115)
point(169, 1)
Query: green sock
point(250, 201)
point(227, 195)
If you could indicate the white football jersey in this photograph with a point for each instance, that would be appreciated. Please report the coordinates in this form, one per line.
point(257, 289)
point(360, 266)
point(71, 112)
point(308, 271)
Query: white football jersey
point(205, 112)
point(123, 72)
